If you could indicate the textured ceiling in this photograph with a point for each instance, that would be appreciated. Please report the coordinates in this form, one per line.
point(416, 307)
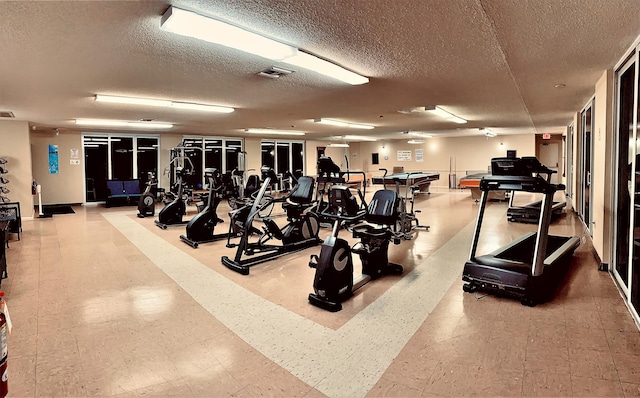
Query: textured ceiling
point(493, 62)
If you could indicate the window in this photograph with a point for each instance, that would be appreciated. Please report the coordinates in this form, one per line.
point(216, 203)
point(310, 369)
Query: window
point(205, 152)
point(113, 156)
point(283, 156)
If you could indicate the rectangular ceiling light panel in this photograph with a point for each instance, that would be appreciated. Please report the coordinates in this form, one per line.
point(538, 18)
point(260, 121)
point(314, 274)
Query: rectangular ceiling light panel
point(166, 103)
point(436, 110)
point(122, 123)
point(131, 100)
point(274, 132)
point(326, 68)
point(338, 123)
point(188, 23)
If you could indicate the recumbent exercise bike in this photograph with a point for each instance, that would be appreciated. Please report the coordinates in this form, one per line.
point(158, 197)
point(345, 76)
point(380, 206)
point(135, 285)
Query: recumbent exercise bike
point(334, 280)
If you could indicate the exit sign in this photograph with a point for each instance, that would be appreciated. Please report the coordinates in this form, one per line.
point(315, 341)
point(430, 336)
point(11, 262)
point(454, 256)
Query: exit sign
point(546, 136)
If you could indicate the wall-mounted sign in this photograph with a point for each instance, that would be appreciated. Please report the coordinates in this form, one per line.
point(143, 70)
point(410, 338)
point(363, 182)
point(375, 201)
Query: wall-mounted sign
point(404, 156)
point(546, 136)
point(75, 154)
point(419, 155)
point(53, 159)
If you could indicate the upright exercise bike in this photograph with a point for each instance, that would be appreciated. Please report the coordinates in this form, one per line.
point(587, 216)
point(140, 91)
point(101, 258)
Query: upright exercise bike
point(300, 232)
point(334, 280)
point(147, 202)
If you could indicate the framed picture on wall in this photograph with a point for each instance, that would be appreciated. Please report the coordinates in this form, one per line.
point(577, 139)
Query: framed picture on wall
point(375, 159)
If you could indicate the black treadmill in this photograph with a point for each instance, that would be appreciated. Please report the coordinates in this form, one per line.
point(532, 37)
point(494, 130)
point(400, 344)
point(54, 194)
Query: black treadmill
point(530, 213)
point(532, 266)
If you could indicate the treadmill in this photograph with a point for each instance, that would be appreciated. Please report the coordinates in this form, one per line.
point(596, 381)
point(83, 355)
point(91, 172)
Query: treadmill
point(532, 266)
point(530, 213)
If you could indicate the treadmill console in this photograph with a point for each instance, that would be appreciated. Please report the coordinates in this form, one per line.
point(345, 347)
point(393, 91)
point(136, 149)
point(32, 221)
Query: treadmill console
point(519, 174)
point(525, 166)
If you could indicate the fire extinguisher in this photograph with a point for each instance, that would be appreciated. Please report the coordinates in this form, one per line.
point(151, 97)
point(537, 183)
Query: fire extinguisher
point(5, 329)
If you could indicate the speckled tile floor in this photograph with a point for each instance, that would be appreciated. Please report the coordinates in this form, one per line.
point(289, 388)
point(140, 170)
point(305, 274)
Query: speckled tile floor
point(106, 304)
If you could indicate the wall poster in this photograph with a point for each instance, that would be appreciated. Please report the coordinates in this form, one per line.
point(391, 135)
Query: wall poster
point(404, 156)
point(419, 155)
point(53, 159)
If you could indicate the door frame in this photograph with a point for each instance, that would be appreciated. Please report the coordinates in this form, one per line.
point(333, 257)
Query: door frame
point(586, 176)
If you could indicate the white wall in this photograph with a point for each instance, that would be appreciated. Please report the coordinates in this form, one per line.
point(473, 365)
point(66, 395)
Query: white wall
point(15, 147)
point(68, 185)
point(601, 180)
point(469, 154)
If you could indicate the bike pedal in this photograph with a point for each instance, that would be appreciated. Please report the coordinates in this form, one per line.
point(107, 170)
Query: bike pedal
point(417, 211)
point(313, 261)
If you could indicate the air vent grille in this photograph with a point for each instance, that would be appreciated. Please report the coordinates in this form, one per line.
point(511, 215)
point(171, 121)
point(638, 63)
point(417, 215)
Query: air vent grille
point(275, 72)
point(7, 114)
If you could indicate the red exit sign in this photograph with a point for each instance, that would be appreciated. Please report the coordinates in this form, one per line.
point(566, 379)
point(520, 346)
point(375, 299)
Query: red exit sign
point(546, 136)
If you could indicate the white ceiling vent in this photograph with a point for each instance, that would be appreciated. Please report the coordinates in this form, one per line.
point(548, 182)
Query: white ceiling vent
point(7, 114)
point(274, 72)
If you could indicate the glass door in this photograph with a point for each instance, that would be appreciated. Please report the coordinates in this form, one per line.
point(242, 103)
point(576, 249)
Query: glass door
point(569, 162)
point(634, 274)
point(96, 167)
point(586, 153)
point(624, 171)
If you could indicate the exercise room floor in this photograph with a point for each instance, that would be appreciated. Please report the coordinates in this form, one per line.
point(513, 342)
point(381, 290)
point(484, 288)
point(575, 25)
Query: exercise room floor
point(106, 304)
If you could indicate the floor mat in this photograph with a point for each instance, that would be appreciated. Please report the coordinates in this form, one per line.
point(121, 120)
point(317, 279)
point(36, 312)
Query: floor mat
point(56, 209)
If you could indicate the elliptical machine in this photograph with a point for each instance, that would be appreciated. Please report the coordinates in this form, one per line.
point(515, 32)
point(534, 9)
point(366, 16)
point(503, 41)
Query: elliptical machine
point(200, 228)
point(300, 232)
point(147, 202)
point(172, 213)
point(334, 281)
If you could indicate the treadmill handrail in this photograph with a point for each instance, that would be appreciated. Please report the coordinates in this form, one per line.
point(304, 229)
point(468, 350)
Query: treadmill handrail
point(518, 183)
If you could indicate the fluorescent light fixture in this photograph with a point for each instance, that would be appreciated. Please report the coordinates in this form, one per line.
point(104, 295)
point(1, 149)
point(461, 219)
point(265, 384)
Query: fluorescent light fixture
point(358, 138)
point(326, 68)
point(339, 145)
point(343, 124)
point(415, 142)
point(165, 103)
point(201, 107)
point(274, 132)
point(422, 135)
point(131, 100)
point(187, 23)
point(122, 123)
point(436, 110)
point(487, 132)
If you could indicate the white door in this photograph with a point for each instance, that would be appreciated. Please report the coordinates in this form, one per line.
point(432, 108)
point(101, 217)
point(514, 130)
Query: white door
point(548, 153)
